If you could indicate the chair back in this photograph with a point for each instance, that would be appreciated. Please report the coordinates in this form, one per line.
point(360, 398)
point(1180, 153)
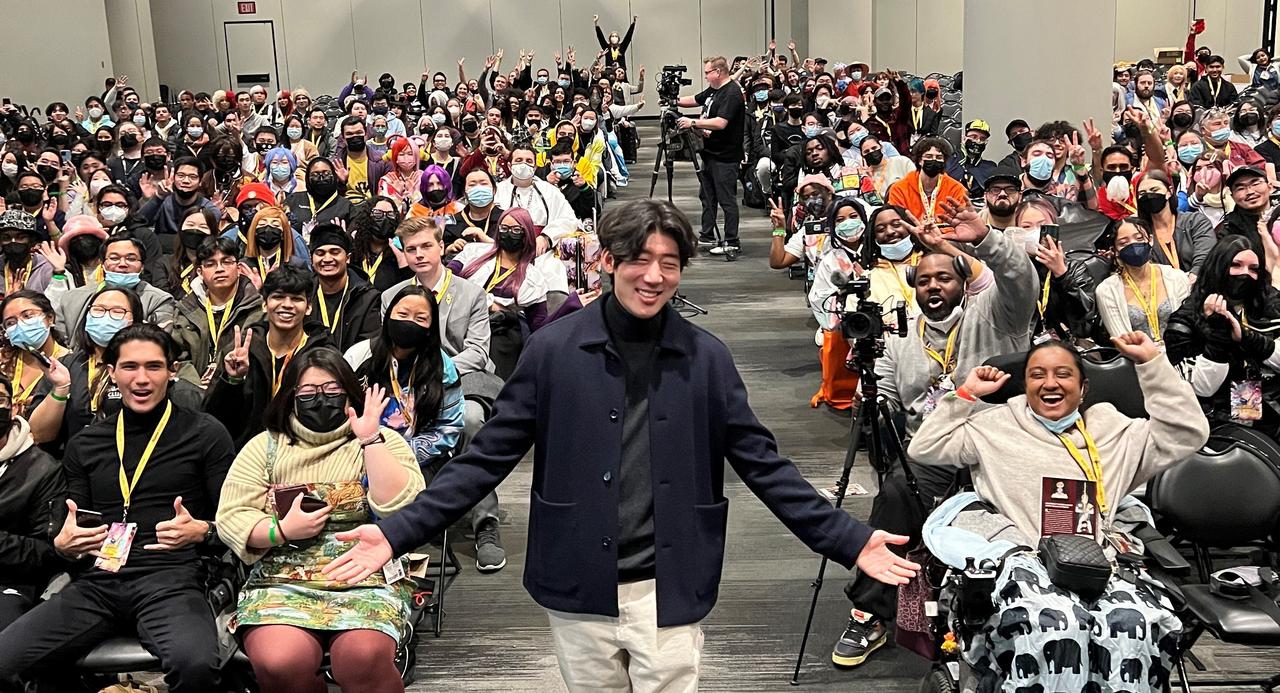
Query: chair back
point(1112, 379)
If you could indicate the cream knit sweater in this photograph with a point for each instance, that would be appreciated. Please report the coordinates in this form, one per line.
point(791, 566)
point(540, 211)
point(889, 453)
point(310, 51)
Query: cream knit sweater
point(1011, 452)
point(315, 458)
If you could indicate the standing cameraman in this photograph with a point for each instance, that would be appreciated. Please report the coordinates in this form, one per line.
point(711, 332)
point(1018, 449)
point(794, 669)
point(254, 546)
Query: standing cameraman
point(723, 115)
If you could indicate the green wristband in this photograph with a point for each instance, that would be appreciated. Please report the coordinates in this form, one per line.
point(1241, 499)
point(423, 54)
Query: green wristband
point(779, 233)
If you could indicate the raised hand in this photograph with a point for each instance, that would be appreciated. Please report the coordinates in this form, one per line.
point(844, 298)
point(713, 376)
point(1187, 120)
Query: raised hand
point(49, 211)
point(777, 215)
point(75, 541)
point(1136, 346)
point(773, 45)
point(57, 375)
point(1077, 152)
point(878, 562)
point(595, 19)
point(967, 226)
point(556, 57)
point(56, 257)
point(340, 170)
point(371, 552)
point(236, 362)
point(791, 44)
point(1049, 253)
point(1216, 303)
point(182, 530)
point(985, 380)
point(365, 425)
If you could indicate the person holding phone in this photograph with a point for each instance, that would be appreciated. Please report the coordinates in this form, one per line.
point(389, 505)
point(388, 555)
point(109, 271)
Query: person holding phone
point(157, 493)
point(31, 483)
point(374, 254)
point(1064, 306)
point(324, 464)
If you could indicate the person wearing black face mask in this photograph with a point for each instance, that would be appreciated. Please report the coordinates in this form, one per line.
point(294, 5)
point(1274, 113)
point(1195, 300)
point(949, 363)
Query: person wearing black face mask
point(22, 268)
point(325, 432)
point(1182, 239)
point(1018, 134)
point(372, 257)
point(322, 200)
point(1226, 330)
point(891, 124)
point(968, 166)
point(163, 211)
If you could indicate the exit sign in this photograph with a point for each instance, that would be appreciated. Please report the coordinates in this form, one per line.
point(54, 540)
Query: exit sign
point(246, 7)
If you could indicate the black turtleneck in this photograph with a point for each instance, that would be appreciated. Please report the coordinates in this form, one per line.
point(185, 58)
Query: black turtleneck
point(191, 460)
point(636, 340)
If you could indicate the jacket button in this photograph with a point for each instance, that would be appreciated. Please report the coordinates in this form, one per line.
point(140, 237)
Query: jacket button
point(608, 477)
point(613, 414)
point(606, 543)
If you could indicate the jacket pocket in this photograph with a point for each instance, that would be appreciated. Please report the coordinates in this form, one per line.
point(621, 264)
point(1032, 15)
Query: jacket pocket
point(554, 546)
point(710, 522)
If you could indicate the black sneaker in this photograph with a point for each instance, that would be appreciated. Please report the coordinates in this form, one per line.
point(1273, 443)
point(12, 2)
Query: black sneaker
point(490, 556)
point(864, 635)
point(704, 242)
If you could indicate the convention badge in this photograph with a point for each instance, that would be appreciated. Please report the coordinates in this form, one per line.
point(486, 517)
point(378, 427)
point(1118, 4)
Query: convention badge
point(1246, 400)
point(1067, 506)
point(1120, 542)
point(115, 550)
point(946, 383)
point(393, 571)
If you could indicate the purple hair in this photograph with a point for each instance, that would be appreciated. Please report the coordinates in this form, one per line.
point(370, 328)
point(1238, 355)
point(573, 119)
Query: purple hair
point(521, 217)
point(436, 172)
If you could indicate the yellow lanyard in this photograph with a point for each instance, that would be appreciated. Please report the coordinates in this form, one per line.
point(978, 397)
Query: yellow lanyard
point(888, 131)
point(467, 218)
point(1093, 467)
point(13, 280)
point(929, 201)
point(917, 116)
point(93, 385)
point(943, 360)
point(22, 398)
point(217, 330)
point(1170, 251)
point(1213, 91)
point(405, 410)
point(372, 269)
point(263, 268)
point(498, 276)
point(311, 202)
point(277, 373)
point(185, 275)
point(444, 288)
point(1044, 298)
point(1148, 303)
point(337, 314)
point(128, 485)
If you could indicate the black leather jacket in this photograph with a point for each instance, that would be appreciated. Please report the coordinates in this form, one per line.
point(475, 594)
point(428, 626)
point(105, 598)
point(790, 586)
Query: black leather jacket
point(1070, 310)
point(32, 490)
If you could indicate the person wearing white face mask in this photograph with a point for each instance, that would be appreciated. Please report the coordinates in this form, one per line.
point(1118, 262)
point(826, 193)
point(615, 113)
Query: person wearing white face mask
point(549, 209)
point(442, 151)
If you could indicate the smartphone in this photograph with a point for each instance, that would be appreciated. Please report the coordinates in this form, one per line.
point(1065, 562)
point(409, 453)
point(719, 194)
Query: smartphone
point(5, 102)
point(396, 242)
point(89, 518)
point(813, 227)
point(1049, 231)
point(39, 356)
point(66, 157)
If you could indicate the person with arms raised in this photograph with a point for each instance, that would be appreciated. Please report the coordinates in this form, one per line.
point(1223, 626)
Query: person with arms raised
point(627, 542)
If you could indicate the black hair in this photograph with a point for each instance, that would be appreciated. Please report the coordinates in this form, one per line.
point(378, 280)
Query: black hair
point(1215, 59)
point(1258, 305)
point(289, 279)
point(188, 161)
point(40, 300)
point(361, 225)
point(561, 147)
point(217, 244)
point(1065, 346)
point(81, 337)
point(349, 121)
point(525, 147)
point(924, 144)
point(427, 362)
point(1118, 149)
point(155, 142)
point(140, 332)
point(125, 236)
point(624, 229)
point(276, 416)
point(792, 99)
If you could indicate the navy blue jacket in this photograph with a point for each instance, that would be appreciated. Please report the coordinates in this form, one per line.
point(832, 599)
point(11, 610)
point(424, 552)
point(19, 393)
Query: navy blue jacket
point(565, 398)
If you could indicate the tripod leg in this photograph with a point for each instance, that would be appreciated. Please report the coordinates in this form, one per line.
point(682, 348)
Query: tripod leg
point(657, 166)
point(858, 420)
point(671, 172)
point(910, 476)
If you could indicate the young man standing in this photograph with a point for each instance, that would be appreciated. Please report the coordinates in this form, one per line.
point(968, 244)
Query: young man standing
point(153, 472)
point(626, 542)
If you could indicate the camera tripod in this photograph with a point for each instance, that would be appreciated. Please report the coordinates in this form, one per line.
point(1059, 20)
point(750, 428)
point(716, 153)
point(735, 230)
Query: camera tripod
point(870, 413)
point(679, 302)
point(672, 142)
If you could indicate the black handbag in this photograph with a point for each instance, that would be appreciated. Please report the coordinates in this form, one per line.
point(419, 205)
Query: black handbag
point(1076, 564)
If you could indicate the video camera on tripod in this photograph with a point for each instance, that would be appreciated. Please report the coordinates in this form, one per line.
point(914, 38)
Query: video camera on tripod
point(669, 82)
point(674, 144)
point(864, 325)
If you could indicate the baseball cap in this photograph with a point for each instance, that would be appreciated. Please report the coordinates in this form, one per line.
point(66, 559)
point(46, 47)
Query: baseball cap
point(1015, 123)
point(1005, 173)
point(1235, 177)
point(979, 125)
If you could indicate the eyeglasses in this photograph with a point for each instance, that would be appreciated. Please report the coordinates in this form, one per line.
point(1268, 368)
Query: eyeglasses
point(503, 228)
point(1251, 183)
point(1006, 190)
point(186, 177)
point(103, 311)
point(227, 262)
point(23, 316)
point(381, 215)
point(306, 393)
point(130, 258)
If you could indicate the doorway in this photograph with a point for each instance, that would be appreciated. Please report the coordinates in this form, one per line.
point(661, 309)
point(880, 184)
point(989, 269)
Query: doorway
point(251, 55)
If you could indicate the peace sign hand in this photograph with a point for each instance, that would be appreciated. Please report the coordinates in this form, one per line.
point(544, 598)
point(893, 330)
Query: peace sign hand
point(1076, 151)
point(236, 362)
point(967, 226)
point(366, 425)
point(777, 215)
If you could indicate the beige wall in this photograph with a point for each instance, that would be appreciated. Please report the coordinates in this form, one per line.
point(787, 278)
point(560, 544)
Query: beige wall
point(1077, 53)
point(133, 48)
point(321, 41)
point(1232, 27)
point(39, 71)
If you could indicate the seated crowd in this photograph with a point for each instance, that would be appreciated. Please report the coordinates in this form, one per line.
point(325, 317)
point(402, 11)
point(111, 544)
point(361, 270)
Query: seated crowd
point(245, 324)
point(1156, 236)
point(305, 317)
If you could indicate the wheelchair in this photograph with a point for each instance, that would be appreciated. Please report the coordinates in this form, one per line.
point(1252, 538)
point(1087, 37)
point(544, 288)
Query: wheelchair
point(1224, 498)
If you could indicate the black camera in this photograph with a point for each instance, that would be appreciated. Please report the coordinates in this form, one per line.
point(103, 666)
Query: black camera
point(865, 320)
point(669, 82)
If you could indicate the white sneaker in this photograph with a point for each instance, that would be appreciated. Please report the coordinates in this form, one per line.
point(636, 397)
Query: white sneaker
point(817, 338)
point(724, 249)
